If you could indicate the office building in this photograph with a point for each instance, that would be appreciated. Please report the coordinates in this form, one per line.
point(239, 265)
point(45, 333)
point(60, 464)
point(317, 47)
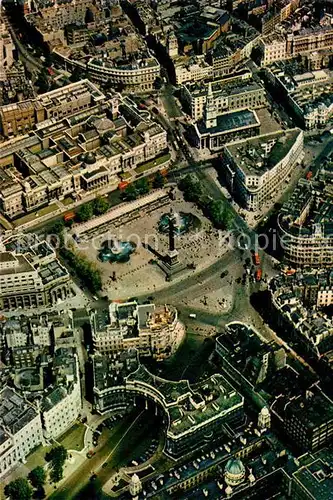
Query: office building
point(257, 168)
point(194, 415)
point(304, 226)
point(31, 276)
point(228, 96)
point(153, 331)
point(20, 117)
point(61, 405)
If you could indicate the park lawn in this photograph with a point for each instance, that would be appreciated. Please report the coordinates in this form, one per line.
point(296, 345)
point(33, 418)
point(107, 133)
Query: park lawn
point(67, 201)
point(4, 223)
point(153, 163)
point(73, 439)
point(43, 211)
point(125, 176)
point(37, 457)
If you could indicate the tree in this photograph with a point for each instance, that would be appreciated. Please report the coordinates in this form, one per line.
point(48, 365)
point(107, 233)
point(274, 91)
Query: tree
point(219, 213)
point(85, 212)
point(191, 188)
point(19, 489)
point(57, 456)
point(57, 473)
point(57, 227)
point(215, 211)
point(37, 477)
point(130, 193)
point(42, 81)
point(40, 493)
point(101, 205)
point(159, 180)
point(142, 186)
point(77, 75)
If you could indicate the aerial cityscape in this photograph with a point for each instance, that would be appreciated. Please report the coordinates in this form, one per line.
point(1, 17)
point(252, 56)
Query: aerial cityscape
point(166, 249)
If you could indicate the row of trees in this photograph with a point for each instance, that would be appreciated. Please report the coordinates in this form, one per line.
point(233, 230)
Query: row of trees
point(85, 270)
point(97, 207)
point(218, 212)
point(23, 488)
point(142, 186)
point(101, 205)
point(33, 486)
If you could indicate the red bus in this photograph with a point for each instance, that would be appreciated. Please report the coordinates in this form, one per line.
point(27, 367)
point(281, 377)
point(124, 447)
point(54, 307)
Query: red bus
point(122, 185)
point(69, 216)
point(258, 274)
point(256, 259)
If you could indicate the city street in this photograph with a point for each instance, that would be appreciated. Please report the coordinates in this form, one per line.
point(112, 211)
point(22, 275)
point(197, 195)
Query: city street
point(116, 448)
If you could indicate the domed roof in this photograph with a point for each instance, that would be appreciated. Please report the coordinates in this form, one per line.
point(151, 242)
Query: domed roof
point(234, 467)
point(89, 158)
point(135, 478)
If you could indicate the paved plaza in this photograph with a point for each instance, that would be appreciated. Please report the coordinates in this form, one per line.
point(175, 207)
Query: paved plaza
point(200, 248)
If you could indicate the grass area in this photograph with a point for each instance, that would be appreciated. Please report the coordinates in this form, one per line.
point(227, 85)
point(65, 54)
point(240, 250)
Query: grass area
point(37, 457)
point(73, 439)
point(117, 447)
point(4, 223)
point(153, 163)
point(125, 176)
point(67, 201)
point(36, 215)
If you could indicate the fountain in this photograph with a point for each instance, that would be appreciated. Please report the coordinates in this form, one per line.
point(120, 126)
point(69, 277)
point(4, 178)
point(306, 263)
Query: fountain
point(116, 251)
point(182, 222)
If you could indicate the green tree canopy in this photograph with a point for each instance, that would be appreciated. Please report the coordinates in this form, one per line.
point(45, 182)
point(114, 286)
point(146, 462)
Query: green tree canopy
point(100, 205)
point(159, 180)
point(85, 212)
point(19, 489)
point(58, 454)
point(191, 188)
point(142, 186)
point(130, 193)
point(37, 477)
point(42, 81)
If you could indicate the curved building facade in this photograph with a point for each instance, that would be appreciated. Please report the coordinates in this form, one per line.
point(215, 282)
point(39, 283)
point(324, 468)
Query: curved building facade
point(305, 227)
point(193, 414)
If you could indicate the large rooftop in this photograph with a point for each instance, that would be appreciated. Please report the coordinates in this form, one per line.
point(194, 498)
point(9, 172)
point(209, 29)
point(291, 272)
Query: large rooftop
point(256, 155)
point(227, 122)
point(15, 411)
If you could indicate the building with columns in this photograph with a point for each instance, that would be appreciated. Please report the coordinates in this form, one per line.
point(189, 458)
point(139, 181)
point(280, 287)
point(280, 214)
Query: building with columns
point(77, 150)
